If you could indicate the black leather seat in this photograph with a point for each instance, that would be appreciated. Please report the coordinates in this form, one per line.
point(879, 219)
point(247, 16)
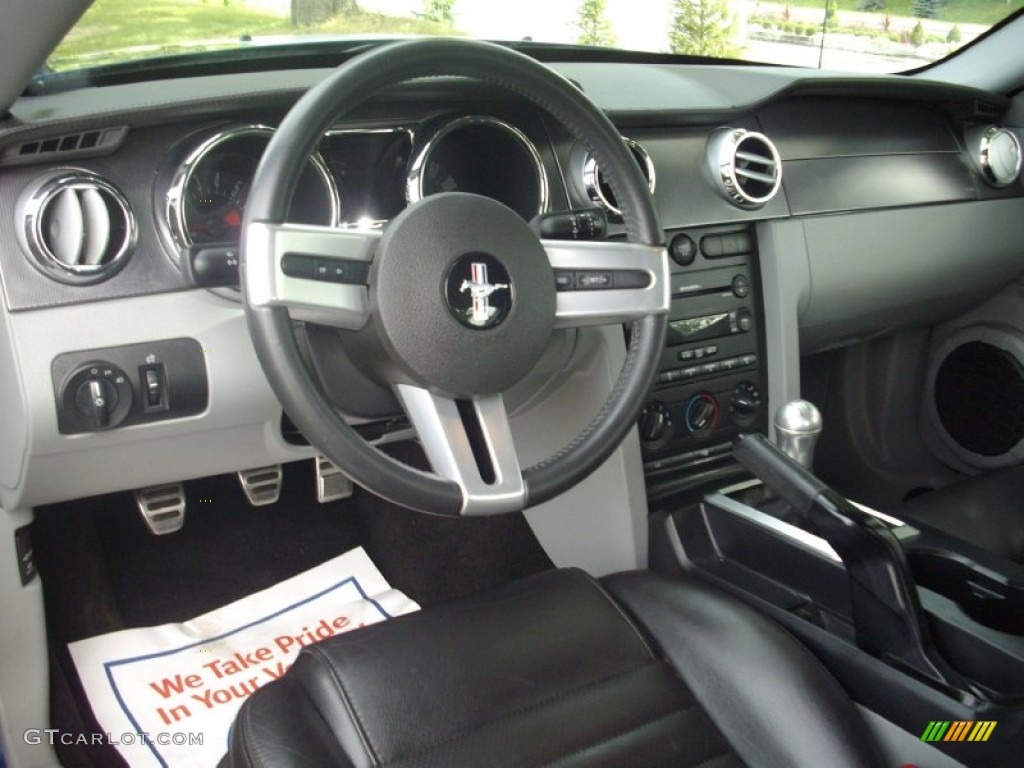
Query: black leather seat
point(987, 511)
point(559, 670)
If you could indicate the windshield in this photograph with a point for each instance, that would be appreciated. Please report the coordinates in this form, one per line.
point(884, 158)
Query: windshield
point(855, 35)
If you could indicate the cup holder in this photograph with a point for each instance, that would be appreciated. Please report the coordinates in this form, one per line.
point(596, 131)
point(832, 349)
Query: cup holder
point(986, 596)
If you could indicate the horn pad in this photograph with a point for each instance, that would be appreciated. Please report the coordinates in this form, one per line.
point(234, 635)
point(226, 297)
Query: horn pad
point(463, 294)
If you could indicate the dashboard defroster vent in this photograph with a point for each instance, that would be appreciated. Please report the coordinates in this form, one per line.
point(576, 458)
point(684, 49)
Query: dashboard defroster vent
point(61, 148)
point(77, 227)
point(745, 166)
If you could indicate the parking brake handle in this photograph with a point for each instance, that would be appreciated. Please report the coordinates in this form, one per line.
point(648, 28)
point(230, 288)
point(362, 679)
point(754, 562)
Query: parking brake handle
point(887, 615)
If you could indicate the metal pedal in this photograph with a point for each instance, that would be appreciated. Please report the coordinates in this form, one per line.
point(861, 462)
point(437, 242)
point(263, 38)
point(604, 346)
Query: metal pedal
point(162, 508)
point(331, 483)
point(263, 485)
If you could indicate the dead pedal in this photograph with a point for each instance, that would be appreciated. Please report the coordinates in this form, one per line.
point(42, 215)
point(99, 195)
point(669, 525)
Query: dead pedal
point(262, 485)
point(162, 508)
point(331, 483)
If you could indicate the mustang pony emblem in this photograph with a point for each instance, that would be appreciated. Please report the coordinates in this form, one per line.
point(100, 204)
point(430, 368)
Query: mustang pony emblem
point(480, 290)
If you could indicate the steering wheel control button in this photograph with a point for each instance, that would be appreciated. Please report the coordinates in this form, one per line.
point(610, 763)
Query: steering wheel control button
point(590, 281)
point(683, 250)
point(565, 280)
point(601, 280)
point(344, 271)
point(478, 290)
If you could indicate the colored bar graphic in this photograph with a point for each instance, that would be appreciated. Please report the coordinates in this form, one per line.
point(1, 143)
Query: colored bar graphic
point(935, 731)
point(958, 730)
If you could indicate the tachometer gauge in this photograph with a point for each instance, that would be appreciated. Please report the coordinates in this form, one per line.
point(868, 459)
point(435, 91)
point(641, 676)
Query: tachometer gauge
point(206, 199)
point(215, 198)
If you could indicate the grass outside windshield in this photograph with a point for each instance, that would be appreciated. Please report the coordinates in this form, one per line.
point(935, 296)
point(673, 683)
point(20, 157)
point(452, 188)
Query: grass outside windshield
point(855, 35)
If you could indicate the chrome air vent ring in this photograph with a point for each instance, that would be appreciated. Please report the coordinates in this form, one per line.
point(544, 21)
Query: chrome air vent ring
point(597, 188)
point(998, 156)
point(745, 166)
point(76, 226)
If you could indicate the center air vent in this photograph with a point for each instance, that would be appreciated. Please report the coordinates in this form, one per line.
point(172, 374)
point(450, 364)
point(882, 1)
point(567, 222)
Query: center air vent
point(77, 227)
point(597, 187)
point(745, 166)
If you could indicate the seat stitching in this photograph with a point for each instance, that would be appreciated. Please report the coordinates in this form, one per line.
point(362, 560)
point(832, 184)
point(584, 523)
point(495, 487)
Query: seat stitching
point(614, 737)
point(349, 703)
point(562, 695)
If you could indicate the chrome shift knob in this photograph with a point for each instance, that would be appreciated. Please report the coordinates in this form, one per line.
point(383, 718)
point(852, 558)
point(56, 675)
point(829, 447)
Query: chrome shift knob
point(797, 426)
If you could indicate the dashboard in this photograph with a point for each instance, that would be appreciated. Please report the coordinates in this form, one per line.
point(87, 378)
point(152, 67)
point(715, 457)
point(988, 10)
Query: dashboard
point(801, 212)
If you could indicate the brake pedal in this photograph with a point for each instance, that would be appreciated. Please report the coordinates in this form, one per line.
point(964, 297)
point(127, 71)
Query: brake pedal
point(331, 483)
point(263, 485)
point(162, 508)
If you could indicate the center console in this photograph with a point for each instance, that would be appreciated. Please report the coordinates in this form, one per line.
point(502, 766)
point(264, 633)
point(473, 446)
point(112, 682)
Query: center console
point(922, 630)
point(711, 382)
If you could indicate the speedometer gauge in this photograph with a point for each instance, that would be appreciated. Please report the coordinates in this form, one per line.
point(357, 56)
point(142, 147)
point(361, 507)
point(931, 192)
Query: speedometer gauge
point(206, 199)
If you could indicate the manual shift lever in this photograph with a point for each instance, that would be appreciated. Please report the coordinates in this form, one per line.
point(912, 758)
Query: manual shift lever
point(797, 426)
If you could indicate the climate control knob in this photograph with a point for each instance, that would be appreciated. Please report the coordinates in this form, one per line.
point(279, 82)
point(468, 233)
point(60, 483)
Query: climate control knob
point(745, 404)
point(702, 414)
point(655, 423)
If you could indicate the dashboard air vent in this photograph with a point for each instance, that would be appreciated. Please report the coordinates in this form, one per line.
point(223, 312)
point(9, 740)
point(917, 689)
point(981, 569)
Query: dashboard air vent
point(997, 154)
point(745, 166)
point(77, 227)
point(597, 187)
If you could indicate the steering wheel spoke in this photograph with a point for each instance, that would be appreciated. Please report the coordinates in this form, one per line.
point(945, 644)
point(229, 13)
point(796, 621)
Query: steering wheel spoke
point(608, 282)
point(318, 273)
point(470, 443)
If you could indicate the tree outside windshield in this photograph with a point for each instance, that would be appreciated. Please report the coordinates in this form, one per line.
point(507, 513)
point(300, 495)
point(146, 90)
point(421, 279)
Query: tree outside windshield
point(855, 35)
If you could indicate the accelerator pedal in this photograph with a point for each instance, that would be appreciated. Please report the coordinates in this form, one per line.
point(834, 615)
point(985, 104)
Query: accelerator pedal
point(331, 483)
point(262, 485)
point(162, 508)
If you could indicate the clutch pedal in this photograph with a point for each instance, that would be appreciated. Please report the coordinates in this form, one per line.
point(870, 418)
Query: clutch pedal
point(263, 485)
point(162, 508)
point(331, 483)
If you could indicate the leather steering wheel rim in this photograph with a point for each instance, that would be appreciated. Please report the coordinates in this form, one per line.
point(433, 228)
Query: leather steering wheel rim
point(270, 323)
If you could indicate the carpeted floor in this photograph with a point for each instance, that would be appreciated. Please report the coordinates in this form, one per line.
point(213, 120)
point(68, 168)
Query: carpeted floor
point(102, 570)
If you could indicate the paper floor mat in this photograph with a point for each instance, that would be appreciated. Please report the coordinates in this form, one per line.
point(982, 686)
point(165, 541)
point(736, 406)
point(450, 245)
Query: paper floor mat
point(168, 695)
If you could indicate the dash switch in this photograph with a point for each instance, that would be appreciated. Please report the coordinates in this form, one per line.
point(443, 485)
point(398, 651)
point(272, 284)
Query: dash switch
point(154, 386)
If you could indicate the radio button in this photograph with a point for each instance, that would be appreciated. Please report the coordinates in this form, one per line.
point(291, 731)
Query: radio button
point(744, 319)
point(740, 286)
point(683, 250)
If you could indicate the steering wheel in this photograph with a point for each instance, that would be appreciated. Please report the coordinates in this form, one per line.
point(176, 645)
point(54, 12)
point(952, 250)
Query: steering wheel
point(455, 300)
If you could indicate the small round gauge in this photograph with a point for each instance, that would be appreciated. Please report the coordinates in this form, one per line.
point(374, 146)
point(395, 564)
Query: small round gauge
point(485, 156)
point(207, 196)
point(215, 198)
